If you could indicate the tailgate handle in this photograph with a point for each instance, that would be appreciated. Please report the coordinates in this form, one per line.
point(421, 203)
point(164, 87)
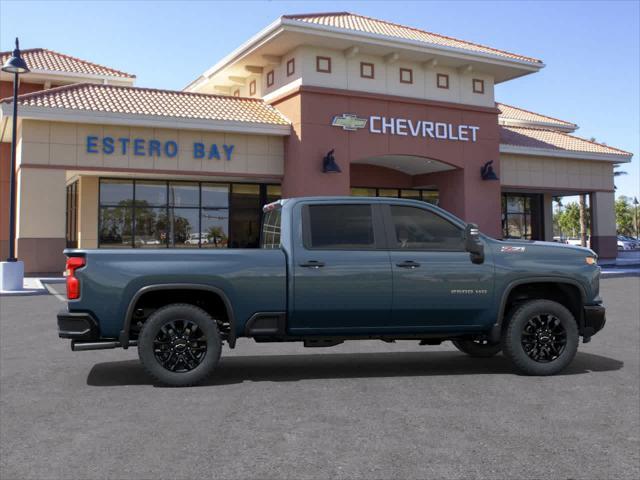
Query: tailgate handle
point(312, 264)
point(408, 264)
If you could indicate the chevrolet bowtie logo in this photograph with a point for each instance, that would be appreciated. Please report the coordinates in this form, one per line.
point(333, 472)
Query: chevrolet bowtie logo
point(349, 122)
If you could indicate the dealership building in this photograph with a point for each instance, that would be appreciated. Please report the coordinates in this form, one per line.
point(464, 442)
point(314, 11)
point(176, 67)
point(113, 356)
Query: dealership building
point(406, 113)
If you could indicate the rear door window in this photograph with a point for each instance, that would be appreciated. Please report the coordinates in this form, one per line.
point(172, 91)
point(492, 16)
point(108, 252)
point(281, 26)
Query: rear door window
point(339, 227)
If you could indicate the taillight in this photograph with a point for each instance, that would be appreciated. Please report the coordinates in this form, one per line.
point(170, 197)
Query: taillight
point(73, 284)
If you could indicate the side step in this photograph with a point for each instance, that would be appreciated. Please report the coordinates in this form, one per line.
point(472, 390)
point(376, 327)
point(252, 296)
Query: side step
point(322, 342)
point(77, 346)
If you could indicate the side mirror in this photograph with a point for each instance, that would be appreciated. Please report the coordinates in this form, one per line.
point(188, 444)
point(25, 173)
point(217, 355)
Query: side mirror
point(473, 244)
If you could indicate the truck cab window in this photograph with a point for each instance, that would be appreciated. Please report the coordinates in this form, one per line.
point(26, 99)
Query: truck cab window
point(271, 228)
point(343, 227)
point(418, 229)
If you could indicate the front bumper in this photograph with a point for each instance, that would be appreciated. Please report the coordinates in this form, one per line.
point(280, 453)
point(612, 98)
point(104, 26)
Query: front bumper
point(77, 326)
point(594, 320)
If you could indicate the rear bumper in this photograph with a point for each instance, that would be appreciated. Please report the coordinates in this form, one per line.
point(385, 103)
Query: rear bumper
point(77, 326)
point(594, 320)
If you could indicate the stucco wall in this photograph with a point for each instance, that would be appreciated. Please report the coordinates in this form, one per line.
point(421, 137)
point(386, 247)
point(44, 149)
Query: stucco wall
point(345, 74)
point(555, 173)
point(65, 144)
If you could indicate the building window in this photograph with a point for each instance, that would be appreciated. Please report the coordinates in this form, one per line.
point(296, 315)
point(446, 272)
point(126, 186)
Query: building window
point(270, 78)
point(478, 86)
point(236, 93)
point(291, 67)
point(323, 64)
point(72, 215)
point(406, 75)
point(521, 216)
point(429, 196)
point(252, 88)
point(181, 214)
point(367, 70)
point(442, 80)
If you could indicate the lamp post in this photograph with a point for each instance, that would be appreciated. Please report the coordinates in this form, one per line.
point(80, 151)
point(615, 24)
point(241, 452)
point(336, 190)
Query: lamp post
point(12, 275)
point(635, 214)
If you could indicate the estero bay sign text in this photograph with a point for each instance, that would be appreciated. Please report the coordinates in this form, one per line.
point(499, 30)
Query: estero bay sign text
point(159, 148)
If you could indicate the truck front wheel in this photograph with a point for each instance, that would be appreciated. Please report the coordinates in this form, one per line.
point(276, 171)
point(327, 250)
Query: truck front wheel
point(541, 338)
point(179, 345)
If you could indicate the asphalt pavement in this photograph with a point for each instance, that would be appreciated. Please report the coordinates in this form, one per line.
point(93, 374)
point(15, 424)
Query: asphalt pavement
point(364, 409)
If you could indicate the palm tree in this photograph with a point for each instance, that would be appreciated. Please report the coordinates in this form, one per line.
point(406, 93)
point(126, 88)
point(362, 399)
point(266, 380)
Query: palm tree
point(583, 219)
point(617, 173)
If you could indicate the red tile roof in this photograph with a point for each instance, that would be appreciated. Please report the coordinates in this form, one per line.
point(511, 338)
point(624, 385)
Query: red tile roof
point(147, 101)
point(360, 23)
point(516, 113)
point(48, 60)
point(553, 140)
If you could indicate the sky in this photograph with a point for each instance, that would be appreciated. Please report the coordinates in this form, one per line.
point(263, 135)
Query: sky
point(591, 49)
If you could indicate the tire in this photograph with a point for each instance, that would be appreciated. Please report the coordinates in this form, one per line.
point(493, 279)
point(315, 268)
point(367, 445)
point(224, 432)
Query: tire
point(477, 348)
point(541, 338)
point(179, 345)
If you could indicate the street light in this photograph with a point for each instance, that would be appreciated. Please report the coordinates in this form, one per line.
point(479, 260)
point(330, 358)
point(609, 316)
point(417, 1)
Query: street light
point(635, 214)
point(13, 271)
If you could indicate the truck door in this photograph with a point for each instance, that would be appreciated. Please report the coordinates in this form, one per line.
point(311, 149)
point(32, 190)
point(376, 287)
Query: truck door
point(342, 274)
point(435, 284)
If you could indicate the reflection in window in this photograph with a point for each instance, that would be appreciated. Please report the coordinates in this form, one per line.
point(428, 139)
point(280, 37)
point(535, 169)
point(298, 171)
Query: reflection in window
point(180, 214)
point(520, 215)
point(429, 196)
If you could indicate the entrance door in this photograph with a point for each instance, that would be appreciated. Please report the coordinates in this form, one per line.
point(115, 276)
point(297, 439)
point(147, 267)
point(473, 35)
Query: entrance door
point(342, 276)
point(435, 284)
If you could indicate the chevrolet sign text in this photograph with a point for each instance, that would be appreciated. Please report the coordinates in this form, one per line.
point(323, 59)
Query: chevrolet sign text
point(423, 128)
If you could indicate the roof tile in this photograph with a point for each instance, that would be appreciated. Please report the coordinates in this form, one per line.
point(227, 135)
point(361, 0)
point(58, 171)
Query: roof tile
point(43, 59)
point(516, 113)
point(553, 140)
point(360, 23)
point(147, 101)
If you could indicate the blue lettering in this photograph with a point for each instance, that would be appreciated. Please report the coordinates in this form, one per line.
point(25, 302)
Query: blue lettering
point(124, 142)
point(213, 152)
point(107, 145)
point(92, 144)
point(228, 150)
point(138, 146)
point(170, 149)
point(154, 147)
point(198, 150)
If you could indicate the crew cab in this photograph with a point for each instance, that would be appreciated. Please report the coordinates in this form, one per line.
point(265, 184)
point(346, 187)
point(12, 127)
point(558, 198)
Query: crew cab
point(332, 269)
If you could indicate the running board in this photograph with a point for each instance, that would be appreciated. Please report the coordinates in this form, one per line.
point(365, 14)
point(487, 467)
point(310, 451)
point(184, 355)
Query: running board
point(77, 346)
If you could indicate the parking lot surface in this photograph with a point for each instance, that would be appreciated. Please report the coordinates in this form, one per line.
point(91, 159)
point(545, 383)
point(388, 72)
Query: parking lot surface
point(359, 410)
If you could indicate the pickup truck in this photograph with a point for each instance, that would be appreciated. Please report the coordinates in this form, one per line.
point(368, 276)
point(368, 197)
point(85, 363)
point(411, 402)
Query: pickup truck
point(332, 269)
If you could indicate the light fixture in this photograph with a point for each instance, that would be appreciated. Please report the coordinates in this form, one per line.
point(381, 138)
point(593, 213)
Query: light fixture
point(487, 173)
point(15, 63)
point(329, 164)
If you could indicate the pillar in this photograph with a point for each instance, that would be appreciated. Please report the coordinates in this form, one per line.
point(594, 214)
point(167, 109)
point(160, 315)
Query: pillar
point(603, 225)
point(547, 217)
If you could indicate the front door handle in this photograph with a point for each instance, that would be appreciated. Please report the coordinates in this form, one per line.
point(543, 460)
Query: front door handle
point(408, 264)
point(312, 264)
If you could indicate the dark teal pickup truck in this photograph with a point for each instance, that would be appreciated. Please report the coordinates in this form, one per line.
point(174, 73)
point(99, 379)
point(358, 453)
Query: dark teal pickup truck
point(332, 269)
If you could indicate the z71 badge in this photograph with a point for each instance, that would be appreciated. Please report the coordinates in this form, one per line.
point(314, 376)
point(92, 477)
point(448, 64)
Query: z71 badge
point(511, 249)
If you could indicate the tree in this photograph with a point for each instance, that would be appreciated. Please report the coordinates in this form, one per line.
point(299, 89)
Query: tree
point(582, 209)
point(624, 216)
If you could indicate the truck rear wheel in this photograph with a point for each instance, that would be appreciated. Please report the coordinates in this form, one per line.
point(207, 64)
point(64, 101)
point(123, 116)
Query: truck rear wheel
point(541, 338)
point(477, 348)
point(179, 345)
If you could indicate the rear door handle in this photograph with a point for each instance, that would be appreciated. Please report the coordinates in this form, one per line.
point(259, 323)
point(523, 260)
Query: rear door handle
point(312, 264)
point(408, 264)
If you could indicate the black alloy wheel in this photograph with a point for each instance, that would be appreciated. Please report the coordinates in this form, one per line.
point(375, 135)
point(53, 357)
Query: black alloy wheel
point(540, 337)
point(544, 338)
point(180, 346)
